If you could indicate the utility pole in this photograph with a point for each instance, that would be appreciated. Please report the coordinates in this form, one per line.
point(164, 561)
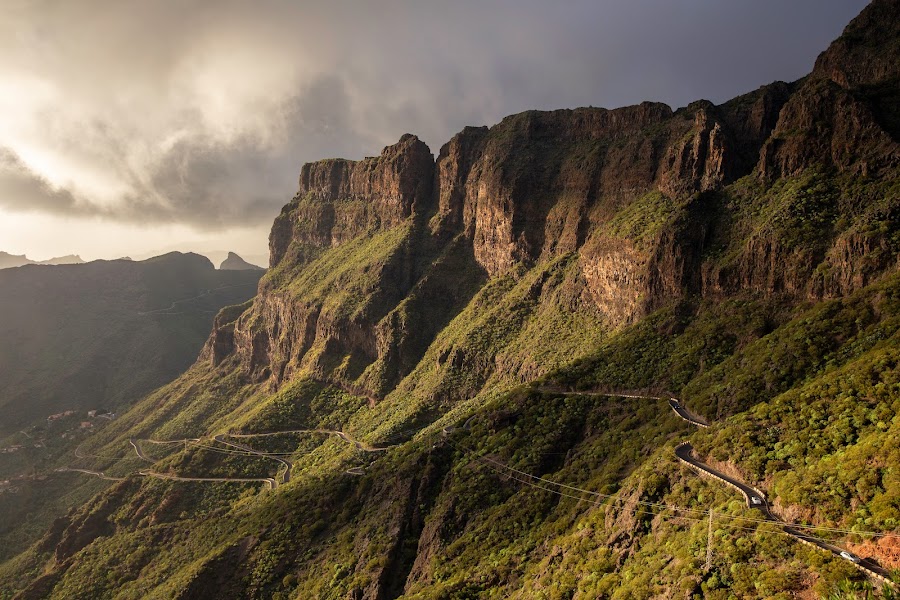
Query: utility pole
point(709, 540)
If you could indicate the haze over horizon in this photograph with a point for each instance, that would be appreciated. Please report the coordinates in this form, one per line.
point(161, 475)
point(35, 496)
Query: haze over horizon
point(131, 128)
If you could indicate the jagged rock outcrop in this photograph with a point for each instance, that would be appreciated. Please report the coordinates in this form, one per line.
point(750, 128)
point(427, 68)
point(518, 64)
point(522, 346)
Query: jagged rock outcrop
point(339, 199)
point(867, 50)
point(844, 115)
point(235, 263)
point(826, 126)
point(539, 185)
point(536, 184)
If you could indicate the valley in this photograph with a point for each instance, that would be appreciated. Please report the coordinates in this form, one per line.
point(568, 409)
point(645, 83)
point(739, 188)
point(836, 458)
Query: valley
point(497, 371)
point(755, 499)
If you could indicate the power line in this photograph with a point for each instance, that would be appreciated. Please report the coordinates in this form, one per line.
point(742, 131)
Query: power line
point(659, 513)
point(241, 452)
point(702, 514)
point(678, 508)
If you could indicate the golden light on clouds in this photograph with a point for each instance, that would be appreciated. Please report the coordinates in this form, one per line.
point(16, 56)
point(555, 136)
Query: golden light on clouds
point(94, 238)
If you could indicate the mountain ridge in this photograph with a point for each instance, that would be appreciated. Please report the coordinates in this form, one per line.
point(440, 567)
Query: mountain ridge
point(134, 292)
point(8, 261)
point(742, 256)
point(233, 262)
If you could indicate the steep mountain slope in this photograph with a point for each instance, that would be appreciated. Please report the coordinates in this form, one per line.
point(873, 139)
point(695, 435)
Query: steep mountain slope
point(433, 339)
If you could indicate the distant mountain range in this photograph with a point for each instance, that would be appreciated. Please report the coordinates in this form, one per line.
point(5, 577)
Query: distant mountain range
point(8, 260)
point(230, 261)
point(104, 333)
point(219, 256)
point(81, 340)
point(215, 255)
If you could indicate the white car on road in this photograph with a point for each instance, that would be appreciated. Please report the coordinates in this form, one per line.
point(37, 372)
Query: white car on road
point(850, 556)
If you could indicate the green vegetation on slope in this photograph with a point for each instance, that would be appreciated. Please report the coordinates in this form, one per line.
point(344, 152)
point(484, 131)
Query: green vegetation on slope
point(441, 517)
point(801, 393)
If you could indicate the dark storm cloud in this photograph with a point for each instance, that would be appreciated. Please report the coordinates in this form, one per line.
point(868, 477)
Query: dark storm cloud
point(201, 112)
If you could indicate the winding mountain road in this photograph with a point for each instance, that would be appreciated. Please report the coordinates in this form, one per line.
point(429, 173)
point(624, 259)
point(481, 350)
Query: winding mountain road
point(679, 409)
point(288, 465)
point(756, 500)
point(687, 415)
point(220, 438)
point(136, 444)
point(139, 451)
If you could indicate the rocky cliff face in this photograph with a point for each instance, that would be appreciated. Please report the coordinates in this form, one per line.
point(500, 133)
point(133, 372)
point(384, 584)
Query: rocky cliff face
point(844, 114)
point(866, 52)
point(340, 199)
point(536, 185)
point(827, 126)
point(645, 196)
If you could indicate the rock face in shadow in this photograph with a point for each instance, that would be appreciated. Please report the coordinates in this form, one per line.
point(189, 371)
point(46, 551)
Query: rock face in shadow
point(866, 52)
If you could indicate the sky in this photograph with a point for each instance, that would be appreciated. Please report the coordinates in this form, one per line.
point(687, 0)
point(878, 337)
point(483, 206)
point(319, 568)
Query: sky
point(130, 127)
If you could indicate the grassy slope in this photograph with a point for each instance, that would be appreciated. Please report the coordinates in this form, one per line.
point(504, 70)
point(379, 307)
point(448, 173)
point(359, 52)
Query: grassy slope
point(493, 536)
point(806, 387)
